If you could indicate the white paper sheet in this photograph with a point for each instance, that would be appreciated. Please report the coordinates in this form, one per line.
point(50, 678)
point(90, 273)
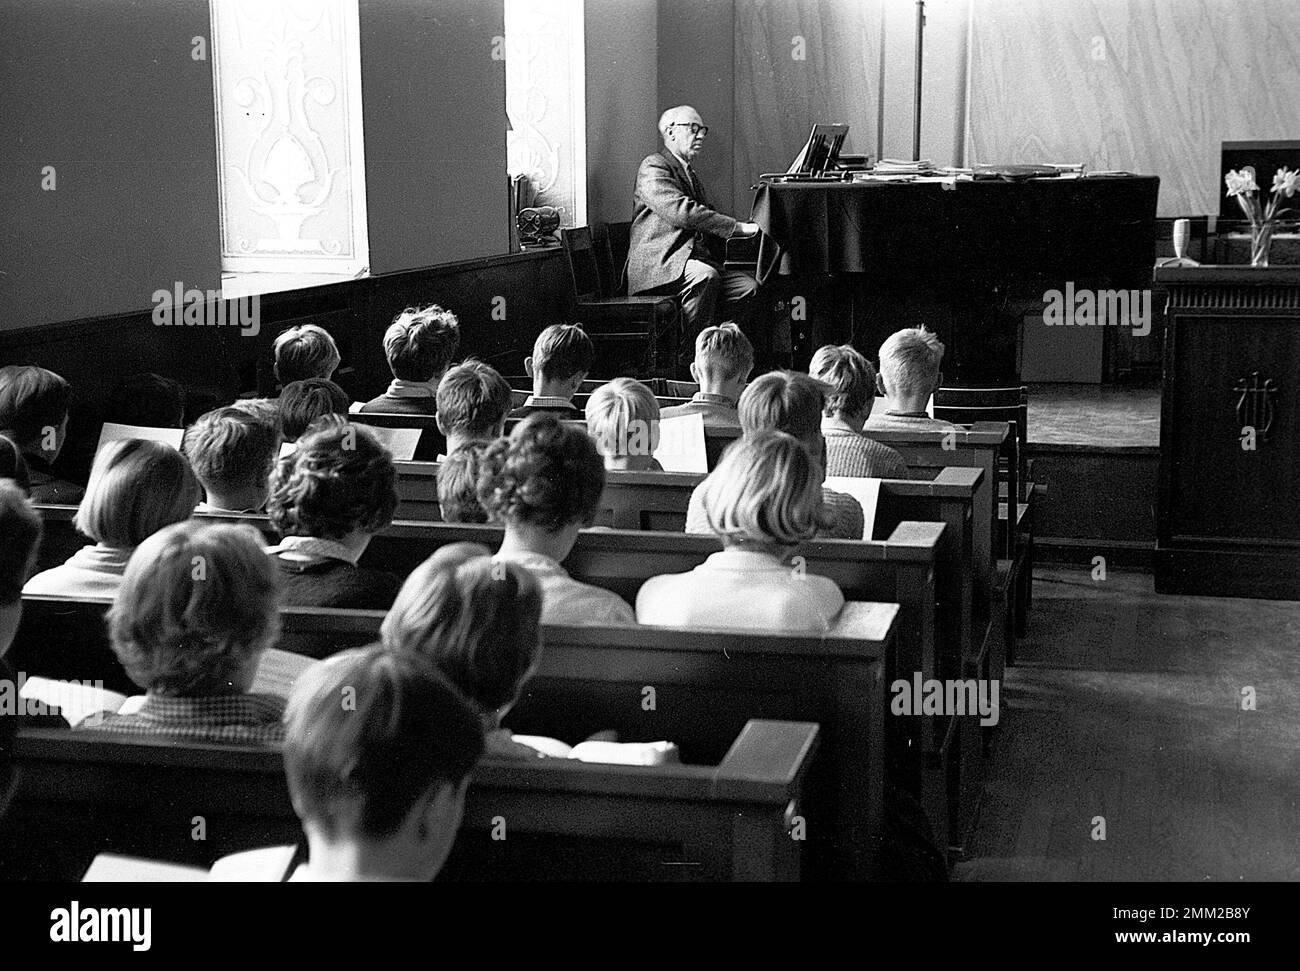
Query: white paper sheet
point(400, 441)
point(112, 432)
point(866, 491)
point(681, 444)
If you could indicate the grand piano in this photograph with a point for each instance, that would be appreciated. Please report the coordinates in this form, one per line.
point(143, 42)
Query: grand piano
point(969, 259)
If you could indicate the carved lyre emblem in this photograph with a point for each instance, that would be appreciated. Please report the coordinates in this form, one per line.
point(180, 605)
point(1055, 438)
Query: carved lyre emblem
point(1255, 404)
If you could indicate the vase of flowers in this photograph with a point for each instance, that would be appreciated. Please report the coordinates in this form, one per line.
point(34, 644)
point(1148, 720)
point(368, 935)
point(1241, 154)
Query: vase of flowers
point(1263, 219)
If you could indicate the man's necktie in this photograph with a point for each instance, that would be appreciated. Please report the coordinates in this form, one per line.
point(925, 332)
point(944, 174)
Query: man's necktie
point(695, 183)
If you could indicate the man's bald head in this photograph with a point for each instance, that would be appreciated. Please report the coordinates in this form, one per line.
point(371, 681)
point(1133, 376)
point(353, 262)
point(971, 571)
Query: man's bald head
point(675, 127)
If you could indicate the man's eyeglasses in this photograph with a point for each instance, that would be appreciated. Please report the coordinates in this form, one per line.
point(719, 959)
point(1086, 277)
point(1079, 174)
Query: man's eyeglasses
point(695, 127)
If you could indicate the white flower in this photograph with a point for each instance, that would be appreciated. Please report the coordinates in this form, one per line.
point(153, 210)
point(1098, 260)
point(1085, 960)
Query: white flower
point(1241, 182)
point(1286, 182)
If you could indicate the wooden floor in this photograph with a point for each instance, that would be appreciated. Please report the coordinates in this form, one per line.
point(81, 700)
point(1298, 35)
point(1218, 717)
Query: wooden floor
point(1127, 705)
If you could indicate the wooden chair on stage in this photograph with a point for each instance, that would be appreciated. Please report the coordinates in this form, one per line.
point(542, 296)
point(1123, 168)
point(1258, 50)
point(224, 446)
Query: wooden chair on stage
point(633, 335)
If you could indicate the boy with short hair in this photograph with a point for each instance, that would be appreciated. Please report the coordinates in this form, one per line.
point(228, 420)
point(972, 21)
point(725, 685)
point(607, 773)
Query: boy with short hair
point(724, 358)
point(303, 402)
point(419, 345)
point(561, 358)
point(305, 352)
point(473, 402)
point(909, 374)
point(623, 421)
point(378, 751)
point(232, 452)
point(851, 381)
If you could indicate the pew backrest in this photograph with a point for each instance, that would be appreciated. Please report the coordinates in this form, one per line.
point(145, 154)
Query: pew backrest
point(976, 447)
point(80, 795)
point(697, 688)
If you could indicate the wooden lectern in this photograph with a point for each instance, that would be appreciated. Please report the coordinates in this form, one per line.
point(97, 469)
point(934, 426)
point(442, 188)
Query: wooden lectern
point(1228, 522)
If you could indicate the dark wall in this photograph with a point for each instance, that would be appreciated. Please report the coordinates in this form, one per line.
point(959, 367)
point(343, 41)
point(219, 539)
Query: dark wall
point(697, 67)
point(435, 126)
point(108, 94)
point(215, 364)
point(622, 102)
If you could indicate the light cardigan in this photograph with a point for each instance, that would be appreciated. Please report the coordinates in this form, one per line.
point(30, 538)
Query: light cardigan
point(741, 589)
point(92, 571)
point(569, 601)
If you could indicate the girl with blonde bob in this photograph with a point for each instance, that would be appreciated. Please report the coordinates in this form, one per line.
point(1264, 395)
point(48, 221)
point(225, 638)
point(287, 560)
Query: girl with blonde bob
point(136, 488)
point(762, 501)
point(623, 420)
point(199, 605)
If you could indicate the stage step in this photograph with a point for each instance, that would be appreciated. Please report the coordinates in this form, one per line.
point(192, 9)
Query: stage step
point(1100, 502)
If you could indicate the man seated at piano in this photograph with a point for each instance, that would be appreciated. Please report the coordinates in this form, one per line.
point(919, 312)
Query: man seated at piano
point(678, 240)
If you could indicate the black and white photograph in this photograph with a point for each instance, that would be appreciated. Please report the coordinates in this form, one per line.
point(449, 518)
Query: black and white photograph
point(570, 443)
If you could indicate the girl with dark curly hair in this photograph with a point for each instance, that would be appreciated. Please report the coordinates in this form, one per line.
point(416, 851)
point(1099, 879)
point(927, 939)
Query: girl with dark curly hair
point(327, 499)
point(543, 484)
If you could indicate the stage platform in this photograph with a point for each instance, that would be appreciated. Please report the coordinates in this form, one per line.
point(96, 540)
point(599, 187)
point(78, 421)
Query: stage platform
point(1097, 449)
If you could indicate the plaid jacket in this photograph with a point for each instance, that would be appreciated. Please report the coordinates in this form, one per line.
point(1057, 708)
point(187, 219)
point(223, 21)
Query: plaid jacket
point(218, 718)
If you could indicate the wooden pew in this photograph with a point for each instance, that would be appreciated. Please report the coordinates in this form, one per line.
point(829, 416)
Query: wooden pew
point(659, 500)
point(715, 438)
point(524, 384)
point(918, 565)
point(706, 685)
point(518, 398)
point(79, 795)
point(999, 584)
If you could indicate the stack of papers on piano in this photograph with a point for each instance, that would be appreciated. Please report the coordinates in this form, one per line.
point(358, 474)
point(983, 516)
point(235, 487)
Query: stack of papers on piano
point(894, 166)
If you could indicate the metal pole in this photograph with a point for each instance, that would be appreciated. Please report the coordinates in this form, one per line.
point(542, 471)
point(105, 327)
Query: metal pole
point(916, 107)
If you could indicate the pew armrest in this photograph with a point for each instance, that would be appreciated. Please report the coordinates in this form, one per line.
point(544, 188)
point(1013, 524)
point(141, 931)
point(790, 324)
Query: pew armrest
point(924, 535)
point(764, 756)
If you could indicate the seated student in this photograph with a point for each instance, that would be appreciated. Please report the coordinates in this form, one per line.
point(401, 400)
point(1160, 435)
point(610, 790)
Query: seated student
point(305, 352)
point(34, 416)
point(852, 391)
point(623, 421)
point(232, 453)
point(20, 536)
point(302, 402)
point(909, 374)
point(473, 402)
point(380, 784)
point(326, 500)
point(786, 401)
point(458, 478)
point(198, 608)
point(762, 501)
point(13, 465)
point(561, 358)
point(724, 357)
point(419, 345)
point(136, 488)
point(543, 483)
point(263, 409)
point(479, 622)
point(148, 400)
